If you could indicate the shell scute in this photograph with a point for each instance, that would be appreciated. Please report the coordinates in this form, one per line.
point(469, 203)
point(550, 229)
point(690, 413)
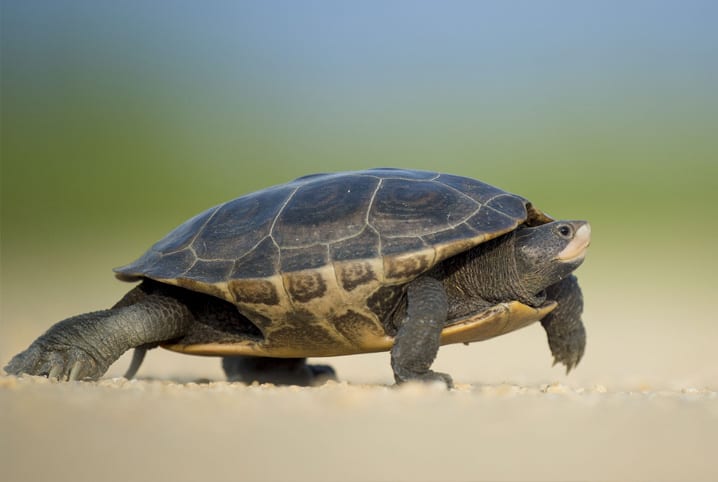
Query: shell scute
point(300, 259)
point(406, 267)
point(305, 286)
point(240, 224)
point(324, 211)
point(182, 236)
point(399, 246)
point(460, 231)
point(170, 265)
point(364, 245)
point(476, 190)
point(489, 221)
point(508, 205)
point(354, 274)
point(261, 262)
point(209, 271)
point(417, 207)
point(254, 292)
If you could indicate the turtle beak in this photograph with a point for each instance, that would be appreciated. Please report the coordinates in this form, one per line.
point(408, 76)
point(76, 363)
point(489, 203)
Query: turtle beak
point(575, 250)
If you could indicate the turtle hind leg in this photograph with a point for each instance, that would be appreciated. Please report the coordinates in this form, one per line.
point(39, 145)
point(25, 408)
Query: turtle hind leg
point(84, 346)
point(564, 328)
point(278, 371)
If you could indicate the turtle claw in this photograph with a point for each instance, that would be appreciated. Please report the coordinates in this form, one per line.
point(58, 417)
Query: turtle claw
point(76, 371)
point(444, 378)
point(428, 377)
point(55, 373)
point(569, 355)
point(56, 363)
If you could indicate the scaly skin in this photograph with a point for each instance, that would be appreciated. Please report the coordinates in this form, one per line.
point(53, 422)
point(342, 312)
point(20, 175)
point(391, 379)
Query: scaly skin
point(417, 340)
point(84, 346)
point(564, 328)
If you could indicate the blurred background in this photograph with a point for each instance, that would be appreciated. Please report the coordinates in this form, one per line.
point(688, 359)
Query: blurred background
point(122, 119)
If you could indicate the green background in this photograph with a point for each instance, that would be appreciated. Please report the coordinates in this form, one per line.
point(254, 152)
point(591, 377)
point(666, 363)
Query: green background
point(122, 119)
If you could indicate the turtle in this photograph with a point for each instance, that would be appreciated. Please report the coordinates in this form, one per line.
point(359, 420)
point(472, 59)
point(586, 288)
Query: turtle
point(332, 264)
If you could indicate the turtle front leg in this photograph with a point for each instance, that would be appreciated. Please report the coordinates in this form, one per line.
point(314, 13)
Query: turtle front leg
point(564, 328)
point(418, 338)
point(84, 346)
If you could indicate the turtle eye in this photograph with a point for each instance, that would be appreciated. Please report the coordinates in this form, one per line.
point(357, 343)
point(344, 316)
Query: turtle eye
point(565, 231)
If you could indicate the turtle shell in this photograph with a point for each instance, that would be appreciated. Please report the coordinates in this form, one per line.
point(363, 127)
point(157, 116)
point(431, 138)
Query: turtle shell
point(316, 263)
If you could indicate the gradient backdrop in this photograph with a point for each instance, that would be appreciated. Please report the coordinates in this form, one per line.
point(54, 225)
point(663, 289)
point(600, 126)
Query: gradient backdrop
point(122, 119)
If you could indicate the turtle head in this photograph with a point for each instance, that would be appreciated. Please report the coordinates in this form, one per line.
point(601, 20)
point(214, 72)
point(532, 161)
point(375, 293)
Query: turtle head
point(548, 253)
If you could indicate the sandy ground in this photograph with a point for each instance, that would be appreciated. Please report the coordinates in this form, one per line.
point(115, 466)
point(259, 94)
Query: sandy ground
point(180, 422)
point(163, 430)
point(643, 405)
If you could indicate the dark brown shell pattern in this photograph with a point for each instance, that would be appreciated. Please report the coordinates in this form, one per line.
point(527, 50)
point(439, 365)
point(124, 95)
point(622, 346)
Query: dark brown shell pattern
point(323, 248)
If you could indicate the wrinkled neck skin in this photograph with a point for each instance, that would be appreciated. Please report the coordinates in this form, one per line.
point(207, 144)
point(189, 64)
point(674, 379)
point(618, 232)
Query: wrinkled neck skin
point(493, 273)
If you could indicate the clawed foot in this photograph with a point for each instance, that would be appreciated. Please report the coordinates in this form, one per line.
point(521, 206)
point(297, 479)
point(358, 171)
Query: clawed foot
point(568, 348)
point(56, 362)
point(428, 377)
point(564, 328)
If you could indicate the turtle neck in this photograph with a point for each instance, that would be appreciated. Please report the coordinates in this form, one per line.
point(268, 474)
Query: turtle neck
point(490, 273)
